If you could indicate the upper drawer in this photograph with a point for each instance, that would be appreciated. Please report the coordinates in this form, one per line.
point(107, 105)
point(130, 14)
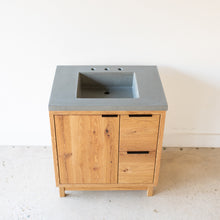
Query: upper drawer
point(139, 132)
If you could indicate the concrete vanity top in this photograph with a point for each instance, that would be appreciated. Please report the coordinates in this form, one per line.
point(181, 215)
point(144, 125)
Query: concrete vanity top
point(107, 88)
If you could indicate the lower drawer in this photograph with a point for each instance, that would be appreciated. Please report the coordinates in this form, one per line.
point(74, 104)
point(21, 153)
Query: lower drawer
point(136, 167)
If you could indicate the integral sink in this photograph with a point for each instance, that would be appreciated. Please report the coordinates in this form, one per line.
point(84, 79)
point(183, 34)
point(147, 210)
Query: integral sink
point(107, 85)
point(107, 88)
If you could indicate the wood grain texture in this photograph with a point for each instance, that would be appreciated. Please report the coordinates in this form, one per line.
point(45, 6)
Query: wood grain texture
point(54, 147)
point(138, 133)
point(102, 185)
point(96, 187)
point(136, 168)
point(111, 185)
point(87, 148)
point(159, 147)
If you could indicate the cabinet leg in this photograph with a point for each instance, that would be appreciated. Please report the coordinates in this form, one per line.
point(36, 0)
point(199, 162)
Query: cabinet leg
point(62, 191)
point(150, 191)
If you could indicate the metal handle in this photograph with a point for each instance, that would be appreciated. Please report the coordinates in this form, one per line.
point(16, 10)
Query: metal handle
point(137, 152)
point(106, 116)
point(136, 116)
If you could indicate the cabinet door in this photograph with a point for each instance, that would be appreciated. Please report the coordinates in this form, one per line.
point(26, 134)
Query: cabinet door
point(87, 147)
point(139, 132)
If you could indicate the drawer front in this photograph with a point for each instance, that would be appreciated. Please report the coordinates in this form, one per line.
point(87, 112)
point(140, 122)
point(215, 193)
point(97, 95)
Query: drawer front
point(139, 132)
point(135, 167)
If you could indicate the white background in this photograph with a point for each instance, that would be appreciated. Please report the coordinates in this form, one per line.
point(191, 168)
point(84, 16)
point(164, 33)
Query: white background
point(181, 37)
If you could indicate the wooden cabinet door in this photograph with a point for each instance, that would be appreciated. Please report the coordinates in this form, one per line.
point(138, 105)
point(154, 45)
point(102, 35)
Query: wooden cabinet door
point(87, 147)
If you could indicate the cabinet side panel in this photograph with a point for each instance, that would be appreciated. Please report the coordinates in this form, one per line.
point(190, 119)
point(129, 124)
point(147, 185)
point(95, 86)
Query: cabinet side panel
point(159, 147)
point(87, 148)
point(54, 147)
point(64, 149)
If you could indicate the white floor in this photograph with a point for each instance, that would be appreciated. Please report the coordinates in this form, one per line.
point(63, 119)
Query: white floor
point(189, 188)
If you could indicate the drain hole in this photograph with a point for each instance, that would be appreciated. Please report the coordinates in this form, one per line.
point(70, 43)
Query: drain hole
point(106, 68)
point(92, 68)
point(120, 69)
point(106, 92)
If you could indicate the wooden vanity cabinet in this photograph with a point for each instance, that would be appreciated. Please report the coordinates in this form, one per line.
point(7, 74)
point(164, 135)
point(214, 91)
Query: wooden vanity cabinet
point(107, 150)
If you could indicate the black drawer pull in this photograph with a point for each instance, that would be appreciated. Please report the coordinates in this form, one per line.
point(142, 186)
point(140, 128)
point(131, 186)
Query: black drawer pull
point(137, 152)
point(105, 116)
point(140, 116)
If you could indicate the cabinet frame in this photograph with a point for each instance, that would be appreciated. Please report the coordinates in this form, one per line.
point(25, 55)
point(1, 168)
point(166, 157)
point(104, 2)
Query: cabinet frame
point(125, 186)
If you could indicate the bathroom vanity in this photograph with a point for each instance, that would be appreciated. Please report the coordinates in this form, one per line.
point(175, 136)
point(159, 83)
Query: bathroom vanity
point(107, 126)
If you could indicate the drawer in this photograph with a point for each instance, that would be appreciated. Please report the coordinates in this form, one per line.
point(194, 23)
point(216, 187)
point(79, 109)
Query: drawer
point(139, 132)
point(135, 167)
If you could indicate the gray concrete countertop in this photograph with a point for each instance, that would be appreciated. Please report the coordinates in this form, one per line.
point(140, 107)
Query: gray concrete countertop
point(64, 91)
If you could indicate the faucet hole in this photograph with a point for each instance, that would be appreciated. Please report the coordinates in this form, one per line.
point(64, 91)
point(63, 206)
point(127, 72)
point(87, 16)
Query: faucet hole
point(106, 68)
point(93, 68)
point(106, 92)
point(120, 69)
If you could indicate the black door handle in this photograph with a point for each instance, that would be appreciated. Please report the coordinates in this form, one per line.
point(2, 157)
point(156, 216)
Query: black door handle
point(136, 116)
point(137, 152)
point(106, 116)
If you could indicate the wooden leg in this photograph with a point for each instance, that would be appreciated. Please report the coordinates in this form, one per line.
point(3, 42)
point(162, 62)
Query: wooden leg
point(150, 191)
point(62, 191)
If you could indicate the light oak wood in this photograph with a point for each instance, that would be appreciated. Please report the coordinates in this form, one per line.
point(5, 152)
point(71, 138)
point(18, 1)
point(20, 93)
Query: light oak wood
point(54, 147)
point(103, 112)
point(150, 191)
point(87, 148)
point(67, 137)
point(107, 187)
point(62, 191)
point(106, 184)
point(138, 133)
point(136, 168)
point(159, 147)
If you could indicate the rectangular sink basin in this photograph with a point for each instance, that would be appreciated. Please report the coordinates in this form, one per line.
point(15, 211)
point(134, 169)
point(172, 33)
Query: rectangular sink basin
point(107, 85)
